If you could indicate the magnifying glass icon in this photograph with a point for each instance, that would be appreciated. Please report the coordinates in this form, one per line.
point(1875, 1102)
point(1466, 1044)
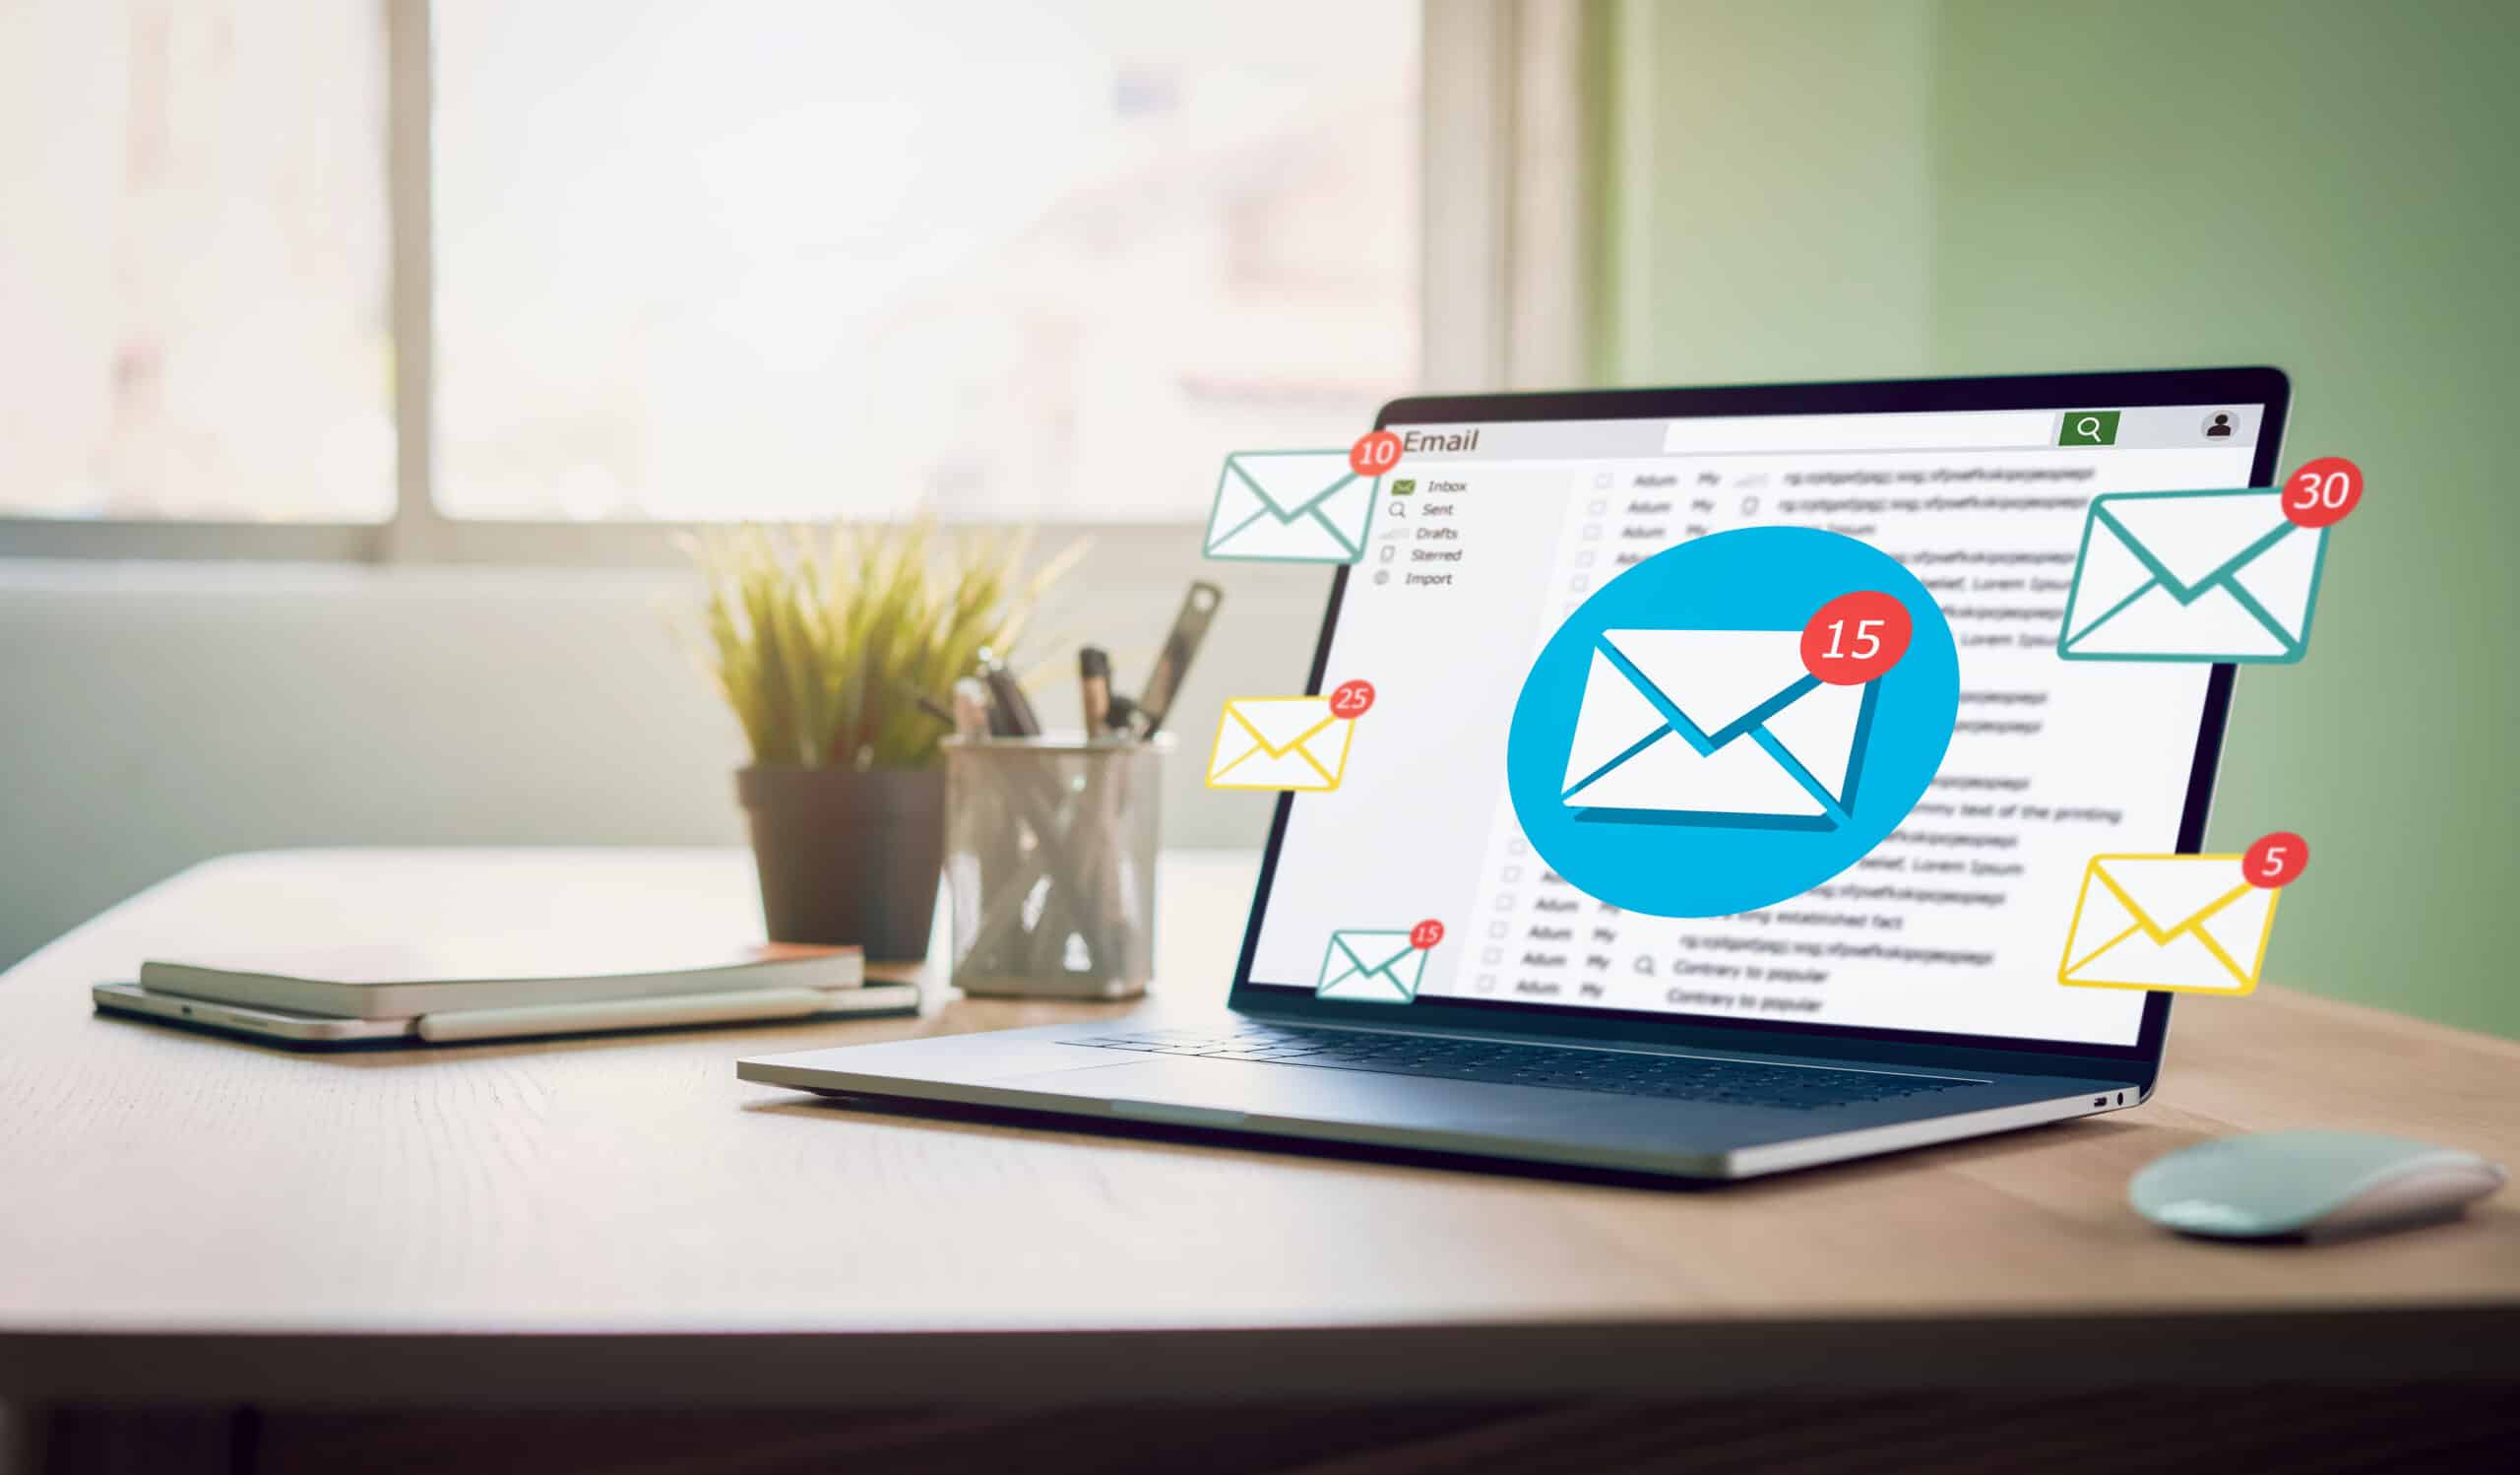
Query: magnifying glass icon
point(2088, 427)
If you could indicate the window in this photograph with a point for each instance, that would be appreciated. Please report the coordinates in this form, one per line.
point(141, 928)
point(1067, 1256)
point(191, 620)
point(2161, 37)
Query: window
point(193, 277)
point(769, 259)
point(998, 257)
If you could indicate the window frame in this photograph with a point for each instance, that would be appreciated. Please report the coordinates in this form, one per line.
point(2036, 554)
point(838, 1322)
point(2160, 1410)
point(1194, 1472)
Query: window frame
point(1508, 151)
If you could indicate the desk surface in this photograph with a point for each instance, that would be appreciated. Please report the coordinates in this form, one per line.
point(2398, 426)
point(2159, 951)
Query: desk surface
point(192, 1217)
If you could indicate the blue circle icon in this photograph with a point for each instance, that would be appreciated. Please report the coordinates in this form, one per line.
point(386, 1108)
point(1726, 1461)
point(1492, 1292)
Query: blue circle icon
point(1671, 755)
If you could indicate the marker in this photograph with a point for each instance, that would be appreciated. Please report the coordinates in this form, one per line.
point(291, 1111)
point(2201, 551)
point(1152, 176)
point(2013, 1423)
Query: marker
point(1094, 682)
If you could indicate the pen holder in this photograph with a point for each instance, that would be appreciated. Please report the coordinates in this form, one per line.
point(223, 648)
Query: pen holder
point(1049, 857)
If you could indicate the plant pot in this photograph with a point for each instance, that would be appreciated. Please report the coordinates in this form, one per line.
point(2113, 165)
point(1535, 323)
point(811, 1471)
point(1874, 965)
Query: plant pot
point(846, 857)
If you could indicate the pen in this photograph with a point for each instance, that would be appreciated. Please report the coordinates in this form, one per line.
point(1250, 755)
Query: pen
point(1093, 683)
point(1189, 628)
point(971, 707)
point(1011, 711)
point(623, 1013)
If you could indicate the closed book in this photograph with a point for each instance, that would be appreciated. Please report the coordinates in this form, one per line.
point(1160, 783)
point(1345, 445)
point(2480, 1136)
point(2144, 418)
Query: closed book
point(398, 980)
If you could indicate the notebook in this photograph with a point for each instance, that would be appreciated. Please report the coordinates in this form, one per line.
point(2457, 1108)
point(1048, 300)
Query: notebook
point(393, 981)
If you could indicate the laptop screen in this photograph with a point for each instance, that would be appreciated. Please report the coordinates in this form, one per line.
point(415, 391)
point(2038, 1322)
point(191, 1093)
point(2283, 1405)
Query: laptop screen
point(1488, 537)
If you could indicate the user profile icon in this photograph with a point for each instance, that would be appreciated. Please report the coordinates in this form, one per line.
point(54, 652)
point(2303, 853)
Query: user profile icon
point(2219, 426)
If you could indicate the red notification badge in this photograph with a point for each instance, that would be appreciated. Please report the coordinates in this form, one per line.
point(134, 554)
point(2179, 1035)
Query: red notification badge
point(2276, 860)
point(1352, 699)
point(1427, 933)
point(1375, 453)
point(1856, 637)
point(2323, 492)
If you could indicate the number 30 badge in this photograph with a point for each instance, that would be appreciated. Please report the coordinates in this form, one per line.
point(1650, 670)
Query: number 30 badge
point(2205, 576)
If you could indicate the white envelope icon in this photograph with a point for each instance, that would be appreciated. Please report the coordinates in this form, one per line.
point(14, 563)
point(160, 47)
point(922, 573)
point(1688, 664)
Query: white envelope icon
point(1290, 508)
point(1715, 727)
point(2192, 576)
point(1371, 966)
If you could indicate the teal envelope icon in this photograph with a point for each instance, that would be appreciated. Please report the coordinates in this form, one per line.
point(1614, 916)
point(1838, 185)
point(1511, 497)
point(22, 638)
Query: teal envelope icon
point(1372, 967)
point(1290, 508)
point(2192, 576)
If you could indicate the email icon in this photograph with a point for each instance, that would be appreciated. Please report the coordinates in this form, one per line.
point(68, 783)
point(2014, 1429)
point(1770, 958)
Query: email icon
point(2190, 924)
point(1290, 508)
point(1280, 742)
point(1372, 967)
point(2192, 576)
point(1715, 727)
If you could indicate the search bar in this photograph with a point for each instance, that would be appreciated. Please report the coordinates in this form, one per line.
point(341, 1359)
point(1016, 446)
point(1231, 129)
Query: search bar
point(1962, 431)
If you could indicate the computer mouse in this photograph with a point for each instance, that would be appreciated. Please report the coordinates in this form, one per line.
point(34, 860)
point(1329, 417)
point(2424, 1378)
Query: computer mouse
point(2309, 1185)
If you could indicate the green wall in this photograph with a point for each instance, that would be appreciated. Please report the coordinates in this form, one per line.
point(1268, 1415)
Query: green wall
point(1803, 190)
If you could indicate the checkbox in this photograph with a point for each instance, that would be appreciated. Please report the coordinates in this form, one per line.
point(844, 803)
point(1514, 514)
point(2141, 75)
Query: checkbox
point(1583, 557)
point(1592, 530)
point(1580, 581)
point(1496, 930)
point(1493, 956)
point(1510, 875)
point(1488, 982)
point(1518, 847)
point(1603, 480)
point(1596, 507)
point(1505, 902)
point(1749, 506)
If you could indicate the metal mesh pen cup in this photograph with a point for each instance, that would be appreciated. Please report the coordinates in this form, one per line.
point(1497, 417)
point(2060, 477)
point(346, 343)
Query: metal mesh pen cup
point(1050, 857)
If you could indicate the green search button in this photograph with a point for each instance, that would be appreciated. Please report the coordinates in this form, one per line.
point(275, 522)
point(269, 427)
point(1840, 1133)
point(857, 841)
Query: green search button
point(2088, 427)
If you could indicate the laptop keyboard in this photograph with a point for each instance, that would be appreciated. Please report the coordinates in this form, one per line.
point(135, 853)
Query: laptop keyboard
point(1618, 1072)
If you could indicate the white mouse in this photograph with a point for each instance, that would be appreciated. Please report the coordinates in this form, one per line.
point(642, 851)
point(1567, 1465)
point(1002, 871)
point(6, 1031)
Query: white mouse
point(2309, 1184)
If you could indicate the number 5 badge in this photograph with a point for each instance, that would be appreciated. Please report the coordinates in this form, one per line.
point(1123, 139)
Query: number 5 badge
point(2189, 923)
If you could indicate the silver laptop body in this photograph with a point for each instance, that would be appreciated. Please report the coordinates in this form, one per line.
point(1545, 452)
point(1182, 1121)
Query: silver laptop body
point(1597, 1057)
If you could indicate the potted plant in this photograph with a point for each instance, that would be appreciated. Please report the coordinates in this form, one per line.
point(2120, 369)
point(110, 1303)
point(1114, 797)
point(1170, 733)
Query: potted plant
point(837, 648)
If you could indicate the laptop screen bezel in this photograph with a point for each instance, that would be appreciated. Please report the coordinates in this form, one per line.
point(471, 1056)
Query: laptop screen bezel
point(2262, 386)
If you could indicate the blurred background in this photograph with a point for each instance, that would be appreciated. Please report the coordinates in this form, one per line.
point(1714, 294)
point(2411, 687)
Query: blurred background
point(361, 360)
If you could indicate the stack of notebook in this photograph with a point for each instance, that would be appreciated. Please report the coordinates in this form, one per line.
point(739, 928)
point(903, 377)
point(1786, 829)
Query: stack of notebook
point(442, 993)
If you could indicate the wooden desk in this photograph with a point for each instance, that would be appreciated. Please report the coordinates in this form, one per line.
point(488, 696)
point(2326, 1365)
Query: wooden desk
point(621, 1221)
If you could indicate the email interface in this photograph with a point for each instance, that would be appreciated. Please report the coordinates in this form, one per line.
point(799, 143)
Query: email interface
point(1952, 924)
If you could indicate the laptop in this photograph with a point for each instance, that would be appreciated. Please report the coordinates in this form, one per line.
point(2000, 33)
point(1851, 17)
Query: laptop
point(1912, 997)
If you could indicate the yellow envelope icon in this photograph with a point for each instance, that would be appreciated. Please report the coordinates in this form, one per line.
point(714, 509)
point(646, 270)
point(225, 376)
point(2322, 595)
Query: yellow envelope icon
point(1280, 742)
point(2190, 924)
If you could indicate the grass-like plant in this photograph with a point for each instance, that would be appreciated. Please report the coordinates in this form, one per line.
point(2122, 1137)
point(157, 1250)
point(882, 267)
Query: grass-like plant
point(823, 639)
